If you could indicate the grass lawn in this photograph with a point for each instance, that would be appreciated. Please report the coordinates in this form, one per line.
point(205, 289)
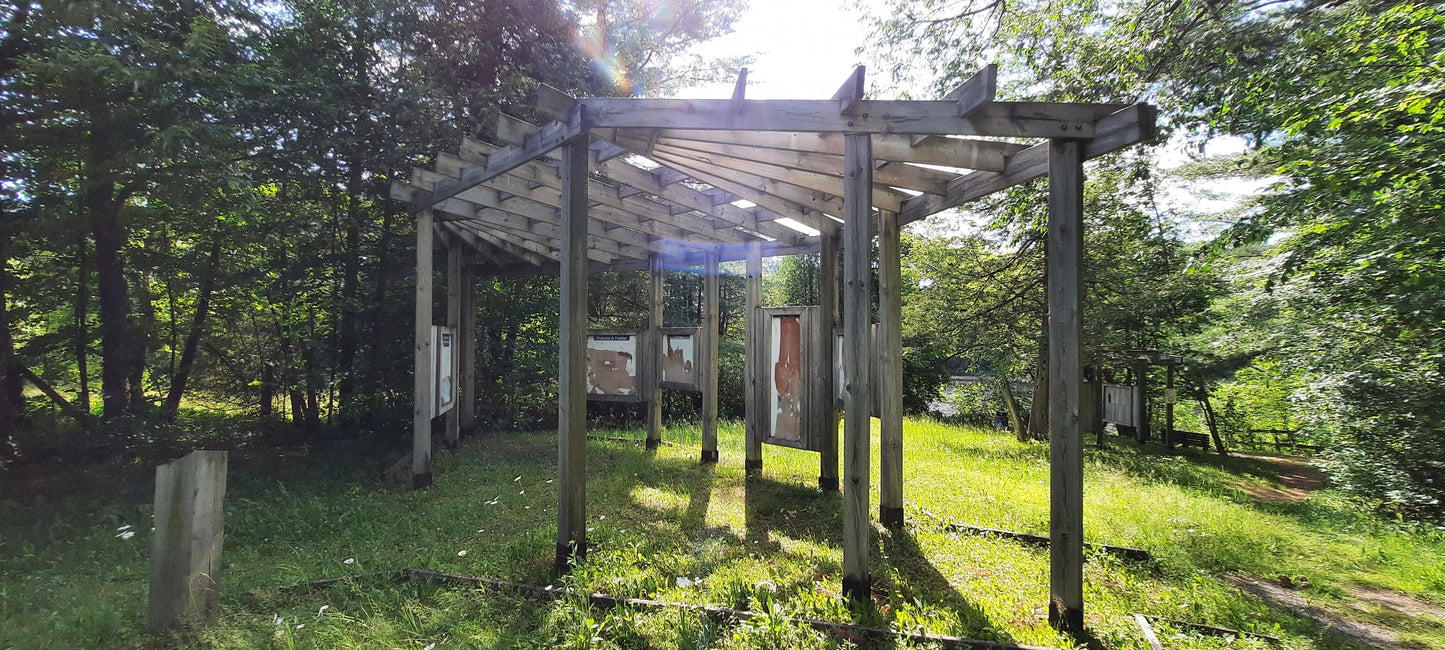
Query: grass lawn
point(665, 528)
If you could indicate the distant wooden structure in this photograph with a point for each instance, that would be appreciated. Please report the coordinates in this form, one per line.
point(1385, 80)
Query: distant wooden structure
point(1127, 406)
point(629, 184)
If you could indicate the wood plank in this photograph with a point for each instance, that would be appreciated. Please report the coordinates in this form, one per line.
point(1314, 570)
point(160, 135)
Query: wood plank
point(826, 406)
point(626, 174)
point(422, 368)
point(911, 177)
point(1066, 460)
point(977, 91)
point(731, 182)
point(740, 90)
point(890, 360)
point(572, 362)
point(963, 153)
point(851, 92)
point(1128, 126)
point(554, 103)
point(821, 185)
point(467, 384)
point(754, 357)
point(654, 341)
point(857, 355)
point(452, 438)
point(545, 139)
point(186, 545)
point(709, 335)
point(631, 212)
point(996, 119)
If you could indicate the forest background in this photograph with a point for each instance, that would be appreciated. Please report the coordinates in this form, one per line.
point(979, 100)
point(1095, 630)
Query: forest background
point(196, 240)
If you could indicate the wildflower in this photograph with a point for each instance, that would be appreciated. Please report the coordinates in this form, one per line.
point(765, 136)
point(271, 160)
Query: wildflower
point(350, 560)
point(462, 553)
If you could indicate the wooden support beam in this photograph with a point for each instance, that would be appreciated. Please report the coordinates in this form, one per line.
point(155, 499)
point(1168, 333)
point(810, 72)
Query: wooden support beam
point(710, 356)
point(422, 369)
point(996, 119)
point(541, 141)
point(857, 355)
point(512, 130)
point(1125, 127)
point(654, 353)
point(572, 364)
point(890, 375)
point(827, 406)
point(851, 92)
point(963, 153)
point(554, 103)
point(467, 370)
point(1066, 460)
point(453, 436)
point(754, 356)
point(1141, 400)
point(911, 177)
point(794, 184)
point(977, 92)
point(765, 193)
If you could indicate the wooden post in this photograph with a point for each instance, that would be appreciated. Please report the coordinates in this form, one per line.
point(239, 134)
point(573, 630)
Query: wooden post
point(467, 371)
point(756, 403)
point(1141, 401)
point(890, 375)
point(1066, 466)
point(828, 317)
point(1169, 406)
point(709, 368)
point(572, 362)
point(186, 549)
point(454, 319)
point(654, 339)
point(857, 352)
point(422, 379)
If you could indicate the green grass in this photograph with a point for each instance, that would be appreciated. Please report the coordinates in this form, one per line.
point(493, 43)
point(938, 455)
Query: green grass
point(769, 544)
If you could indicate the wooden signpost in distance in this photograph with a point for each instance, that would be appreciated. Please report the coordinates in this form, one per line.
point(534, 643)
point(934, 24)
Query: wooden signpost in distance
point(806, 169)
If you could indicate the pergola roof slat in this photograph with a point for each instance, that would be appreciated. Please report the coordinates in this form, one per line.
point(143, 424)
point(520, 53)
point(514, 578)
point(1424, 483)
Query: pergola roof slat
point(961, 153)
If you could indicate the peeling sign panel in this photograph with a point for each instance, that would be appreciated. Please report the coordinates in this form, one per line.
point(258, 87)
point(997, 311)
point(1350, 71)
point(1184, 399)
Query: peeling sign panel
point(679, 352)
point(786, 390)
point(612, 366)
point(1119, 404)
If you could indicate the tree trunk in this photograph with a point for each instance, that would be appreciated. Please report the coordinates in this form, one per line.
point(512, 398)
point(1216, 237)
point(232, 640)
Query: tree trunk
point(268, 388)
point(116, 341)
point(376, 373)
point(350, 278)
point(1038, 428)
point(1014, 412)
point(1201, 392)
point(82, 325)
point(193, 338)
point(10, 394)
point(141, 340)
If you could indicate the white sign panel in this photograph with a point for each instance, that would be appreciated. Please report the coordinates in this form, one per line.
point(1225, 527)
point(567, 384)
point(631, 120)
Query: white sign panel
point(444, 384)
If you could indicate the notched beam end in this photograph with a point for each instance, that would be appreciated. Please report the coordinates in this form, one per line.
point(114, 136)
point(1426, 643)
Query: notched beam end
point(851, 92)
point(977, 91)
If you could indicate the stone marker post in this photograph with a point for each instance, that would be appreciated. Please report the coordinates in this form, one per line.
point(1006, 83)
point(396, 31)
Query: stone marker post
point(186, 550)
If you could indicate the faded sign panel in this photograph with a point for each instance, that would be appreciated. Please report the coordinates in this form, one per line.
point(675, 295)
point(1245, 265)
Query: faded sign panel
point(678, 359)
point(444, 341)
point(612, 365)
point(785, 358)
point(1119, 404)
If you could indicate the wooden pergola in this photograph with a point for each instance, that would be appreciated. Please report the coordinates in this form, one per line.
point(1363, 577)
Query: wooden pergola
point(628, 184)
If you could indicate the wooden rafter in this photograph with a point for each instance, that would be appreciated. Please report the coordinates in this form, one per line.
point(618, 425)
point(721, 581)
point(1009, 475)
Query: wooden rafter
point(961, 153)
point(539, 142)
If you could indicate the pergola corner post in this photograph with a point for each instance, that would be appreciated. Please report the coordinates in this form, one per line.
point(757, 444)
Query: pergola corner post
point(467, 379)
point(452, 438)
point(827, 407)
point(654, 342)
point(1066, 461)
point(754, 355)
point(857, 353)
point(422, 369)
point(709, 355)
point(572, 361)
point(890, 357)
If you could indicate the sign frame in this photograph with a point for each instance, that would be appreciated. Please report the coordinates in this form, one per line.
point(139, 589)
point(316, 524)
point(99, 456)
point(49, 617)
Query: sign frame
point(639, 362)
point(694, 384)
point(809, 429)
point(444, 345)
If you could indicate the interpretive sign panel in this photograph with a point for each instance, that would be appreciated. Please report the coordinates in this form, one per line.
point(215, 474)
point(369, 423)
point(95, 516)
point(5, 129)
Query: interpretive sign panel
point(614, 365)
point(1119, 404)
point(679, 352)
point(444, 384)
point(791, 355)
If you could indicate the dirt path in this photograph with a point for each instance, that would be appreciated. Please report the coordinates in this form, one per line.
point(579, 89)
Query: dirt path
point(1296, 473)
point(1350, 631)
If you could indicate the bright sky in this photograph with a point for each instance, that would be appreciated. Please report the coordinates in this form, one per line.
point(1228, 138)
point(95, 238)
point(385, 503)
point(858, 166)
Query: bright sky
point(805, 49)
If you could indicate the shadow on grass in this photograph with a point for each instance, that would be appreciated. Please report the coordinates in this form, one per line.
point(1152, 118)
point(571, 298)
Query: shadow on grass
point(921, 581)
point(792, 510)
